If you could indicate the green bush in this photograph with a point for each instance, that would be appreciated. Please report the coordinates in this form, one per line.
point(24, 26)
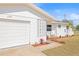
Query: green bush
point(77, 27)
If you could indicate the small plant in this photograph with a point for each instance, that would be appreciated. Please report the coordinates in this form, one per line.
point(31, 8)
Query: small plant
point(41, 41)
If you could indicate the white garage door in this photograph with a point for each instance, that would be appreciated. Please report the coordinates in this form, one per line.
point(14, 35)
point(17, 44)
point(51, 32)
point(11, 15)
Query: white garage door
point(13, 33)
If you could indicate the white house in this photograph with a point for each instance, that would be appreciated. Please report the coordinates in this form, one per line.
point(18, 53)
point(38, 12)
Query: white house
point(22, 24)
point(26, 24)
point(60, 29)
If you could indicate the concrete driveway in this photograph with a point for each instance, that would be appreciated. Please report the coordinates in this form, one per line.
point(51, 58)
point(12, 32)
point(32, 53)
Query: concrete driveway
point(28, 50)
point(25, 50)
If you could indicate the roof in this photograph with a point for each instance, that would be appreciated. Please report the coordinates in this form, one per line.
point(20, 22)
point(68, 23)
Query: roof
point(34, 8)
point(60, 22)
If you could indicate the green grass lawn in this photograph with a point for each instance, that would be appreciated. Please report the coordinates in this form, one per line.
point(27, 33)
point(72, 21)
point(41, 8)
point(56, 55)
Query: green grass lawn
point(70, 48)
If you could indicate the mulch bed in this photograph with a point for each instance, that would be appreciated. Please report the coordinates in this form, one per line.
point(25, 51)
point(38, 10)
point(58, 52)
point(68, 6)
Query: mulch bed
point(35, 45)
point(57, 39)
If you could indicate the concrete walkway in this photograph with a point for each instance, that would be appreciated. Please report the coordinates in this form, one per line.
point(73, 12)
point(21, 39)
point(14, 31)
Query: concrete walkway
point(48, 46)
point(26, 50)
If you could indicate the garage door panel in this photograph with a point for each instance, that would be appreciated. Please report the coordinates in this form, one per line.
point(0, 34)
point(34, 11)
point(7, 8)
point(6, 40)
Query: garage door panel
point(13, 33)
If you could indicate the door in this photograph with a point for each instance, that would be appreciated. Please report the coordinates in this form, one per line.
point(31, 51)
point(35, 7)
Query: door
point(14, 33)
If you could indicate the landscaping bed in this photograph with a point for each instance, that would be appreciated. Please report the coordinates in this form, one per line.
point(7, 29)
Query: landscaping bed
point(36, 45)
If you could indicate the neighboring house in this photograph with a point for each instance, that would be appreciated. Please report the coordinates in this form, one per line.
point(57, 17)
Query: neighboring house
point(22, 24)
point(59, 29)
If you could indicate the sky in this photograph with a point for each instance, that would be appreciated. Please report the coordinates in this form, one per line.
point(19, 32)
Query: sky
point(58, 10)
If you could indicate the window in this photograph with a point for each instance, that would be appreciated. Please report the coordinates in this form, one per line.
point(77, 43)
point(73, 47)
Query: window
point(49, 27)
point(59, 26)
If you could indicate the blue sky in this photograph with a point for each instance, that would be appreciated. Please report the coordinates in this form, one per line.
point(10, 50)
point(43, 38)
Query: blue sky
point(71, 10)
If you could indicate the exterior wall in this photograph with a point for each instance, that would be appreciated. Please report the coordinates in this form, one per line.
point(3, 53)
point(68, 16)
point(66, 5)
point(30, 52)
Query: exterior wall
point(62, 31)
point(33, 31)
point(49, 33)
point(54, 30)
point(41, 25)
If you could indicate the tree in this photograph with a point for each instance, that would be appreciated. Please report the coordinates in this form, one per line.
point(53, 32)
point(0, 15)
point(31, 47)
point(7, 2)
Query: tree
point(69, 23)
point(77, 27)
